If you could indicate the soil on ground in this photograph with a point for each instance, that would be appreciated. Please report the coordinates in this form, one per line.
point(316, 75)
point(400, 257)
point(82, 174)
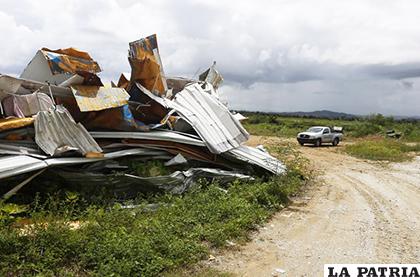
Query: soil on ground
point(359, 212)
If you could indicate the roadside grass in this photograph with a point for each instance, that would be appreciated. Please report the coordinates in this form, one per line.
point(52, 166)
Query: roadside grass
point(383, 150)
point(149, 236)
point(198, 271)
point(274, 125)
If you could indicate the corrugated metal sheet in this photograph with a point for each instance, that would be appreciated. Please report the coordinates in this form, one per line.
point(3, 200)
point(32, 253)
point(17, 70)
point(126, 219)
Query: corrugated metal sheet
point(57, 132)
point(177, 182)
point(258, 157)
point(213, 122)
point(26, 105)
point(94, 98)
point(152, 135)
point(17, 148)
point(14, 165)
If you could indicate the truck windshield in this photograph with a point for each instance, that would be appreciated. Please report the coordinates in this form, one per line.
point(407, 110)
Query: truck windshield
point(314, 129)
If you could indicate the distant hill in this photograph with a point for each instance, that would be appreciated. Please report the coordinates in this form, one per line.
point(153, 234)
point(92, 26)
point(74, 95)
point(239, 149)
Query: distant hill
point(328, 114)
point(314, 114)
point(321, 114)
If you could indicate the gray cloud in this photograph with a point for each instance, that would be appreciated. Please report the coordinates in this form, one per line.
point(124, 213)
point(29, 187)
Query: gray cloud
point(355, 56)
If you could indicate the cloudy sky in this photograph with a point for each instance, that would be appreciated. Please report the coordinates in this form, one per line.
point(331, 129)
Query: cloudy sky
point(359, 56)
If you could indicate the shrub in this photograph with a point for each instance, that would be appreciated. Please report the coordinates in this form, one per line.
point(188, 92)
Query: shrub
point(61, 240)
point(382, 150)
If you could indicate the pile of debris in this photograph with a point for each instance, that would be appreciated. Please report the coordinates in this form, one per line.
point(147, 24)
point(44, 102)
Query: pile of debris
point(59, 118)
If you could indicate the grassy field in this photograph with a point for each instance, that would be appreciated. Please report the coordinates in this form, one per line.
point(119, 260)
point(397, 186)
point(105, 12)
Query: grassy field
point(367, 134)
point(63, 235)
point(274, 125)
point(383, 150)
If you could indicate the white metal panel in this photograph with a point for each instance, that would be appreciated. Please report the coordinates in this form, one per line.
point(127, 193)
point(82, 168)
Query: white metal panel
point(56, 131)
point(15, 165)
point(39, 70)
point(258, 157)
point(152, 135)
point(213, 122)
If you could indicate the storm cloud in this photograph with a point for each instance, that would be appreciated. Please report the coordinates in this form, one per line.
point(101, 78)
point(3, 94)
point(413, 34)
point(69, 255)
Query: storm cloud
point(353, 56)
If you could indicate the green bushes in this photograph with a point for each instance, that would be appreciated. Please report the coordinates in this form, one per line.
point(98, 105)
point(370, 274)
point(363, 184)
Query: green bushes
point(273, 125)
point(382, 150)
point(60, 240)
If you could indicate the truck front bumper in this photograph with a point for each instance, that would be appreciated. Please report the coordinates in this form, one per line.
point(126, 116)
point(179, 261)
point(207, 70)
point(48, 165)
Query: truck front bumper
point(306, 140)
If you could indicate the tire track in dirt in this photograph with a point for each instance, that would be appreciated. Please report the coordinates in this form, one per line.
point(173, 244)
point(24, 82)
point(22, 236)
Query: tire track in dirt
point(393, 244)
point(360, 212)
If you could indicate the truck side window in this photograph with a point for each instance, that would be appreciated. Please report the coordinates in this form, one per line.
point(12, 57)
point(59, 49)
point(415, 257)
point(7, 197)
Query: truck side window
point(326, 131)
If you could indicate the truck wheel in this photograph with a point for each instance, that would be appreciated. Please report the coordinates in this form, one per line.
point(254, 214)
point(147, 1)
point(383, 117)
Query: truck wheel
point(318, 143)
point(301, 143)
point(335, 142)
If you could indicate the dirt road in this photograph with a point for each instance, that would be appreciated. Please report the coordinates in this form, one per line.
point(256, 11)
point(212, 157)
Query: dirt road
point(360, 212)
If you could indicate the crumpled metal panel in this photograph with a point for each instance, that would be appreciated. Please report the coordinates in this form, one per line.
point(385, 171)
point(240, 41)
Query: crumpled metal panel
point(258, 157)
point(176, 183)
point(212, 76)
point(26, 105)
point(70, 60)
point(18, 164)
point(9, 85)
point(20, 86)
point(152, 135)
point(213, 122)
point(57, 132)
point(146, 65)
point(94, 98)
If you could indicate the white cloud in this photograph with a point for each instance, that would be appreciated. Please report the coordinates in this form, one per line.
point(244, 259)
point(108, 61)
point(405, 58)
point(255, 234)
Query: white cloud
point(265, 45)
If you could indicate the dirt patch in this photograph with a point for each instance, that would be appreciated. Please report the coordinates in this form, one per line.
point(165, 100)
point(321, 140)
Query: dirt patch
point(360, 212)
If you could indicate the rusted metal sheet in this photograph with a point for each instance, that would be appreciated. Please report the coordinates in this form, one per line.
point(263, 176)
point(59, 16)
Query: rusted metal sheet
point(14, 123)
point(70, 60)
point(57, 66)
point(146, 65)
point(94, 98)
point(123, 81)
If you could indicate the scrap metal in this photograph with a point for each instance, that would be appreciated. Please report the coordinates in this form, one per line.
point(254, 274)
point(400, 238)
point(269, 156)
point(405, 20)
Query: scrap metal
point(59, 118)
point(213, 122)
point(94, 98)
point(56, 132)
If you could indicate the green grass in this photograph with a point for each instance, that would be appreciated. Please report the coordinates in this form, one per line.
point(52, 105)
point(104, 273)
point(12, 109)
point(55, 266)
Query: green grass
point(151, 168)
point(140, 241)
point(198, 272)
point(383, 150)
point(273, 125)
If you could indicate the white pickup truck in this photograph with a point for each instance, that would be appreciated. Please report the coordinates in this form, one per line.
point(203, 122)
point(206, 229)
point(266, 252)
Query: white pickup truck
point(318, 135)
